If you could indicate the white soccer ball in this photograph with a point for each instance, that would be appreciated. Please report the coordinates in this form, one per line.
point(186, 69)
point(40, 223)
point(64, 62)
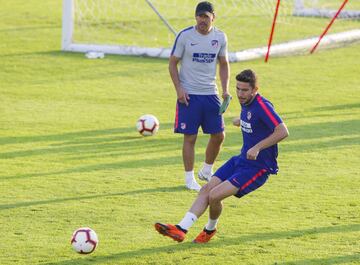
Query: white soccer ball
point(147, 125)
point(84, 240)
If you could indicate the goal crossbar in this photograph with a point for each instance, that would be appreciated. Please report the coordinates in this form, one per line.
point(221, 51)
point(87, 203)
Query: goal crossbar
point(282, 49)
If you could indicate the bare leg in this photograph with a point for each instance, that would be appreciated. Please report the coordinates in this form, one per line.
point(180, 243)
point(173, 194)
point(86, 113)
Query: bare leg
point(213, 147)
point(189, 151)
point(202, 201)
point(217, 194)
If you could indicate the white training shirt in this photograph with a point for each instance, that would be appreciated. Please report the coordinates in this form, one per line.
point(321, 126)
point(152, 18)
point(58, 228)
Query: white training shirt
point(199, 54)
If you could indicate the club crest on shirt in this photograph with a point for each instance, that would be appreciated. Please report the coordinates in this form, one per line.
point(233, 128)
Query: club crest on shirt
point(214, 43)
point(248, 115)
point(183, 125)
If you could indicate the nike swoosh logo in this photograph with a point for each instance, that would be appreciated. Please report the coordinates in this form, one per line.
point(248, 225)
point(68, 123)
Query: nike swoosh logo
point(193, 44)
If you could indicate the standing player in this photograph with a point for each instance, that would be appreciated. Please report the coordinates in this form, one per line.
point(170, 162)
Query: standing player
point(262, 129)
point(199, 48)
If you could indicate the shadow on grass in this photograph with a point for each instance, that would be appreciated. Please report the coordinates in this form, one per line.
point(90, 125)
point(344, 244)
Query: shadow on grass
point(316, 130)
point(322, 261)
point(319, 111)
point(145, 163)
point(71, 136)
point(116, 146)
point(321, 145)
point(324, 129)
point(338, 107)
point(95, 196)
point(111, 57)
point(27, 28)
point(99, 146)
point(242, 240)
point(85, 142)
point(339, 134)
point(100, 141)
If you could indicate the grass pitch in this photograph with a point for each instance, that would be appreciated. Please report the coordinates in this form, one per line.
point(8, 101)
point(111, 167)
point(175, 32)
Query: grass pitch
point(70, 157)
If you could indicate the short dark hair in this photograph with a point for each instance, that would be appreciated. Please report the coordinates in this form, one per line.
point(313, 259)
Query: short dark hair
point(204, 7)
point(248, 76)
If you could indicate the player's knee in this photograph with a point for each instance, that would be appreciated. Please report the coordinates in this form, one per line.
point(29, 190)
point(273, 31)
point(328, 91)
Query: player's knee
point(190, 139)
point(221, 136)
point(205, 190)
point(218, 138)
point(213, 197)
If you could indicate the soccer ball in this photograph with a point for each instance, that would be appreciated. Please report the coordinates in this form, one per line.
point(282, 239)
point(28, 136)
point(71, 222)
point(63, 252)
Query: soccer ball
point(84, 240)
point(147, 125)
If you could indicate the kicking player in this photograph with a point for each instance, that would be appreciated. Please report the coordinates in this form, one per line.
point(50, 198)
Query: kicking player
point(262, 128)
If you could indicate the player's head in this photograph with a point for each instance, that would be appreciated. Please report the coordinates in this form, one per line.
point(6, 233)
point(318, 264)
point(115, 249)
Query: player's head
point(246, 86)
point(204, 15)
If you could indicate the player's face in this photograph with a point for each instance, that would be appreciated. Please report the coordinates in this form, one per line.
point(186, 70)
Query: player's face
point(245, 92)
point(204, 22)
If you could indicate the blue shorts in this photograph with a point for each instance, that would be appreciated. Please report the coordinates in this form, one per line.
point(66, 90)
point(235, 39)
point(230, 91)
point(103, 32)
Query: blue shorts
point(242, 175)
point(203, 110)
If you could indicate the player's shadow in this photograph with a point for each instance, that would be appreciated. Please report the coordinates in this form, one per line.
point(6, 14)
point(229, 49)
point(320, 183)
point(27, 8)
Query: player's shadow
point(95, 196)
point(224, 242)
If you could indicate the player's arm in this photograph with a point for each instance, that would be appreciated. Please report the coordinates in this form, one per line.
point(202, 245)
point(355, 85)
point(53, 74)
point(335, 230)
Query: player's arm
point(224, 68)
point(280, 133)
point(224, 73)
point(182, 96)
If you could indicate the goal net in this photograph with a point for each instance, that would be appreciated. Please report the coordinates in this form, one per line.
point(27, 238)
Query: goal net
point(148, 27)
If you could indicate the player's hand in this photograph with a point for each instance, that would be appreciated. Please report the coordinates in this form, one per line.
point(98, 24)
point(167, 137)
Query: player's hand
point(236, 122)
point(252, 153)
point(226, 94)
point(183, 97)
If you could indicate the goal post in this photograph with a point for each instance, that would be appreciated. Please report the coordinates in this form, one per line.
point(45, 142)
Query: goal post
point(67, 24)
point(148, 27)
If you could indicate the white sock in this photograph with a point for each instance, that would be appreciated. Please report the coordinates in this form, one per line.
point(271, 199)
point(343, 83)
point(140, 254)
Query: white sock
point(188, 220)
point(207, 168)
point(189, 176)
point(211, 225)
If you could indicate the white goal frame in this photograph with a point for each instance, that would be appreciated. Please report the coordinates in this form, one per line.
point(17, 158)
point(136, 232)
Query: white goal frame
point(284, 49)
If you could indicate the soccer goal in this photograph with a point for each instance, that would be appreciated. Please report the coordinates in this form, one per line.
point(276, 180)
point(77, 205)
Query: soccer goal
point(148, 27)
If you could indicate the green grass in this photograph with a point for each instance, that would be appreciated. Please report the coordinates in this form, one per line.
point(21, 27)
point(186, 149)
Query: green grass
point(70, 157)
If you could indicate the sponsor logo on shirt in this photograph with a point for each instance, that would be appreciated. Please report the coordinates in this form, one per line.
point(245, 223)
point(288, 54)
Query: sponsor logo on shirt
point(193, 44)
point(204, 57)
point(246, 126)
